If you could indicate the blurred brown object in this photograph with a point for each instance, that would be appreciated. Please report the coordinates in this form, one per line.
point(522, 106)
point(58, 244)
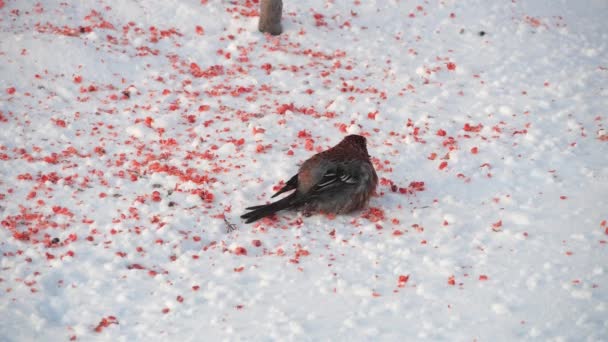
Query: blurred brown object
point(270, 16)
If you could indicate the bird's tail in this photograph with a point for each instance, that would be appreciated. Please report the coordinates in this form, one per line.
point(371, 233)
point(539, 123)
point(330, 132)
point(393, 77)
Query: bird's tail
point(259, 211)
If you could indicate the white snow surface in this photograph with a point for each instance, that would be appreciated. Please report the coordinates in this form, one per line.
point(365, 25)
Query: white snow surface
point(133, 134)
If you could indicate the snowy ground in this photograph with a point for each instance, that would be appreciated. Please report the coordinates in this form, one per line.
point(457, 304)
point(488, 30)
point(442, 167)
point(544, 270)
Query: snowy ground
point(134, 133)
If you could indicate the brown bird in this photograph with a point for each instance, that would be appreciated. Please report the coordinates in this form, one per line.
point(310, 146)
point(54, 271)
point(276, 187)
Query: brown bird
point(337, 181)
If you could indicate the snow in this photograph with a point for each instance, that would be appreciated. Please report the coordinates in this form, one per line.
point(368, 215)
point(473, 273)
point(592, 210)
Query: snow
point(135, 133)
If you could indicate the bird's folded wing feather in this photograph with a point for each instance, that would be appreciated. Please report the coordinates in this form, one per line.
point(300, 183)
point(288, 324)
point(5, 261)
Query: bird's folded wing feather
point(291, 184)
point(334, 179)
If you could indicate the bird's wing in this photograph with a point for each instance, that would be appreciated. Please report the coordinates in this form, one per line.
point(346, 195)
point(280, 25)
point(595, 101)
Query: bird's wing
point(334, 179)
point(291, 184)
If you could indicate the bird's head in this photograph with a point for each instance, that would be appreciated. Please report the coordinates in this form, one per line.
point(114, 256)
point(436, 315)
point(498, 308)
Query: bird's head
point(356, 140)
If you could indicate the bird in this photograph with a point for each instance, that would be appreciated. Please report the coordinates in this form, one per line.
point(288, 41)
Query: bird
point(339, 180)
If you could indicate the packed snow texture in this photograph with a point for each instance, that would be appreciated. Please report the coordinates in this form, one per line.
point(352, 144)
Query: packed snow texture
point(134, 133)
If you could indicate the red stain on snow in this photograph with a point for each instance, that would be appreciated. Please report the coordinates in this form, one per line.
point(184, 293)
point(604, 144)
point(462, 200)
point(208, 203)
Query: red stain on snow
point(374, 214)
point(240, 251)
point(496, 226)
point(532, 21)
point(105, 322)
point(469, 128)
